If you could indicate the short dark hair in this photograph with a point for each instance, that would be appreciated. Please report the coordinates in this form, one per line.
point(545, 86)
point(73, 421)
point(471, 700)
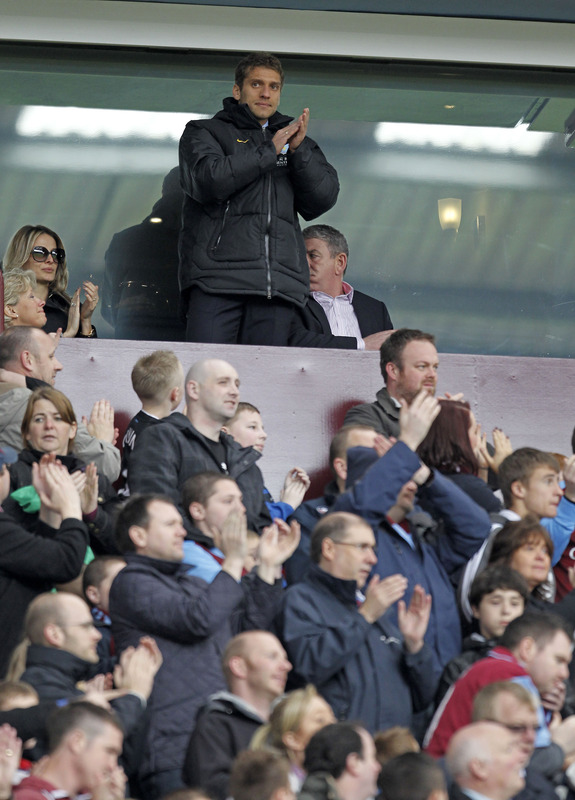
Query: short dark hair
point(391, 350)
point(328, 749)
point(14, 341)
point(497, 576)
point(335, 240)
point(541, 626)
point(88, 717)
point(447, 447)
point(514, 535)
point(257, 774)
point(410, 776)
point(254, 60)
point(332, 526)
point(200, 487)
point(97, 571)
point(135, 512)
point(338, 446)
point(519, 466)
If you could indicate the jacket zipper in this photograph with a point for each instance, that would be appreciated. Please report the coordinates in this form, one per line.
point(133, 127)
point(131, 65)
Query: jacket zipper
point(215, 247)
point(267, 236)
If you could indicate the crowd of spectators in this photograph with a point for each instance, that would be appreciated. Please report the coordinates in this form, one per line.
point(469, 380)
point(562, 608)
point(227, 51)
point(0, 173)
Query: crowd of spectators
point(172, 631)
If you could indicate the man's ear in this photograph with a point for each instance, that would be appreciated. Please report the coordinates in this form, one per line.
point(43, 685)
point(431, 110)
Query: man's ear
point(391, 370)
point(236, 92)
point(76, 741)
point(192, 389)
point(340, 468)
point(526, 649)
point(197, 511)
point(93, 595)
point(352, 764)
point(138, 535)
point(53, 635)
point(340, 263)
point(478, 769)
point(238, 667)
point(27, 360)
point(327, 549)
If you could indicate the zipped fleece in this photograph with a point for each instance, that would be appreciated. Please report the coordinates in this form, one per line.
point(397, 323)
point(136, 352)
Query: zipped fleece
point(240, 229)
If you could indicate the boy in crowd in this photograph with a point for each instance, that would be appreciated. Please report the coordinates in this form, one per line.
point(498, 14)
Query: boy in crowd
point(530, 481)
point(96, 582)
point(247, 428)
point(498, 595)
point(158, 380)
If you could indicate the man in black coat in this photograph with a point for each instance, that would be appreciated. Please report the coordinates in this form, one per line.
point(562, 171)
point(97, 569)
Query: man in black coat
point(336, 315)
point(247, 174)
point(255, 667)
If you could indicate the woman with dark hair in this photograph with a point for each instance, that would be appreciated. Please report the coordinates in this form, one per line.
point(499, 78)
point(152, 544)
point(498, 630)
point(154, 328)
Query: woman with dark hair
point(452, 447)
point(40, 249)
point(526, 547)
point(49, 427)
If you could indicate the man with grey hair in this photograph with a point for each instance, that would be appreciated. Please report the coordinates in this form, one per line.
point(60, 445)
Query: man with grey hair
point(336, 315)
point(181, 445)
point(486, 760)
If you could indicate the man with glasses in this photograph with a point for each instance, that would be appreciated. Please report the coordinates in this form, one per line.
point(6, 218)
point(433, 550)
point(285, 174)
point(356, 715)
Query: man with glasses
point(63, 652)
point(338, 636)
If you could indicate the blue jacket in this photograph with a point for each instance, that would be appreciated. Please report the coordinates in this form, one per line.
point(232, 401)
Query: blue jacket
point(361, 669)
point(437, 555)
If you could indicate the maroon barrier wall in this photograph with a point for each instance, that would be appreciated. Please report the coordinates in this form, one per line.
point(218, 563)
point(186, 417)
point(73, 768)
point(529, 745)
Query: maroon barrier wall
point(303, 394)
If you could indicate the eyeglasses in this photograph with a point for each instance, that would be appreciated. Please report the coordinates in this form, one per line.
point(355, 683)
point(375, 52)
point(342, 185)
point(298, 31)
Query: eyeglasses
point(40, 254)
point(363, 547)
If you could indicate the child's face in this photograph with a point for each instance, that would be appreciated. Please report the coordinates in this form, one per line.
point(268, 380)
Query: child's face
point(227, 498)
point(248, 430)
point(496, 610)
point(541, 493)
point(104, 588)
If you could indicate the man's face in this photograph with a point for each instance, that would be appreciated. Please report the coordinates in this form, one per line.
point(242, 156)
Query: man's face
point(80, 636)
point(418, 370)
point(507, 765)
point(248, 430)
point(519, 718)
point(496, 610)
point(325, 270)
point(45, 365)
point(268, 666)
point(541, 492)
point(260, 92)
point(227, 498)
point(164, 536)
point(100, 756)
point(549, 665)
point(353, 557)
point(369, 768)
point(218, 394)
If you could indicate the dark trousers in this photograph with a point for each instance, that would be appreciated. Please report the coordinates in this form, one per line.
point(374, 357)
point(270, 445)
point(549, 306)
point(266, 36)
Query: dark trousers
point(237, 319)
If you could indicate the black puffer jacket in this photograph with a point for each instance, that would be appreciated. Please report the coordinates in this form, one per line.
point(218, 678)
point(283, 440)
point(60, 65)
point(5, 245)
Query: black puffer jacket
point(100, 525)
point(170, 452)
point(240, 231)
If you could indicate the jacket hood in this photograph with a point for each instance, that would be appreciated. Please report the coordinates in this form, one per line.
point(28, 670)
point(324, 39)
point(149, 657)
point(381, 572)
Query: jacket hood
point(228, 703)
point(239, 114)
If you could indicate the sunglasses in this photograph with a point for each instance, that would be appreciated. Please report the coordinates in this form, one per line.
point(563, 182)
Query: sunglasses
point(40, 253)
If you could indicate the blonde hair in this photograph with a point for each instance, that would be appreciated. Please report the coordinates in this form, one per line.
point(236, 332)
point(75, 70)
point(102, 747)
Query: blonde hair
point(286, 716)
point(16, 283)
point(155, 375)
point(19, 249)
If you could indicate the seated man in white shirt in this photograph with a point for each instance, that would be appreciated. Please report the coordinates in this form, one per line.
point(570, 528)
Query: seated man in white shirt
point(336, 315)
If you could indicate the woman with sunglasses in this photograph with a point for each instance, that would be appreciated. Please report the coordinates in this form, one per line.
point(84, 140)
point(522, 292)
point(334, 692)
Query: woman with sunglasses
point(39, 249)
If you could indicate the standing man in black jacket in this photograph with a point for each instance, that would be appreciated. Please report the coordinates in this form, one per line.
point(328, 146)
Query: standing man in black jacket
point(247, 174)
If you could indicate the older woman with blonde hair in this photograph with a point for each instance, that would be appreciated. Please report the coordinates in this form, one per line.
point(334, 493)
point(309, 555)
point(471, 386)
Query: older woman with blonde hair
point(22, 306)
point(292, 723)
point(40, 250)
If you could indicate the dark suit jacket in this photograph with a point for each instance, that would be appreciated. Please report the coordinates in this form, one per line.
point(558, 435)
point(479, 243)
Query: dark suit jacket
point(311, 327)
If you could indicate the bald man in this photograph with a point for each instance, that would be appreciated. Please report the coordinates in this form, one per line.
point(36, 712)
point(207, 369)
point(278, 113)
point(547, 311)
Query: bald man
point(181, 445)
point(485, 759)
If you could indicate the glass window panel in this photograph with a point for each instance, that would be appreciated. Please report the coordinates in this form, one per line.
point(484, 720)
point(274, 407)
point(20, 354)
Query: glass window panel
point(402, 137)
